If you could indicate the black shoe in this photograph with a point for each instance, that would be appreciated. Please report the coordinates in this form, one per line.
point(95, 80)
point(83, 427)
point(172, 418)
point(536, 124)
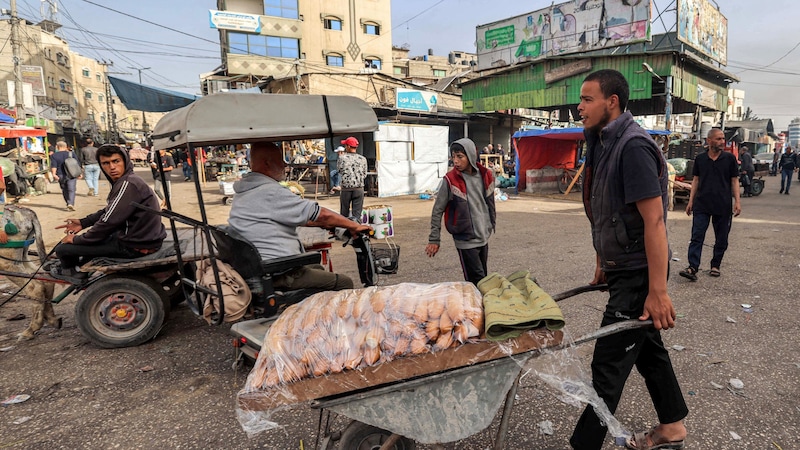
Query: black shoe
point(787, 192)
point(781, 191)
point(689, 272)
point(71, 275)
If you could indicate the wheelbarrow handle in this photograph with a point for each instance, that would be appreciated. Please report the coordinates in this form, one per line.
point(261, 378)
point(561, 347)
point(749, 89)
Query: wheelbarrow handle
point(614, 328)
point(580, 290)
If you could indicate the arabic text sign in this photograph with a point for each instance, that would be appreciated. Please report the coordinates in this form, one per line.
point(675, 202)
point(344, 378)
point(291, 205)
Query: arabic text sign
point(702, 26)
point(413, 100)
point(226, 20)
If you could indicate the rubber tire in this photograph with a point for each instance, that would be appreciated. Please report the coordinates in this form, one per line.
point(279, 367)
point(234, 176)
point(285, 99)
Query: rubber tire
point(757, 187)
point(40, 184)
point(360, 436)
point(146, 290)
point(563, 183)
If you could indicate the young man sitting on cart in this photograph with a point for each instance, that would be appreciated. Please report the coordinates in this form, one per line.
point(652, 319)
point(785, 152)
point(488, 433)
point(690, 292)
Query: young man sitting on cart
point(120, 230)
point(268, 214)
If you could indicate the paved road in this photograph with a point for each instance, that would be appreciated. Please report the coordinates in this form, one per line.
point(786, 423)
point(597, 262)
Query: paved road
point(85, 397)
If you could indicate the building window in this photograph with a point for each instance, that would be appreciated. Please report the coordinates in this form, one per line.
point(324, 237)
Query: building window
point(103, 117)
point(87, 95)
point(98, 77)
point(62, 83)
point(256, 44)
point(333, 24)
point(281, 8)
point(439, 73)
point(100, 98)
point(399, 70)
point(334, 60)
point(372, 63)
point(371, 28)
point(60, 58)
point(85, 72)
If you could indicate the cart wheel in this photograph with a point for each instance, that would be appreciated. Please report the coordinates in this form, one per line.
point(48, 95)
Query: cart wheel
point(757, 187)
point(360, 436)
point(40, 184)
point(227, 201)
point(120, 312)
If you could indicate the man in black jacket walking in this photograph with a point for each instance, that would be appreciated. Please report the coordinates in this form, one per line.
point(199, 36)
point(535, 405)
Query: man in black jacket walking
point(787, 165)
point(120, 230)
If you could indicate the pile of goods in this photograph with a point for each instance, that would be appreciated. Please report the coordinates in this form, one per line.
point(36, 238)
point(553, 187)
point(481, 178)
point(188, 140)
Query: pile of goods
point(331, 332)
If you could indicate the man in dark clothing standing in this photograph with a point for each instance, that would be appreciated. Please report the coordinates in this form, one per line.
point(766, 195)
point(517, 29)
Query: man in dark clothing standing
point(167, 164)
point(625, 195)
point(715, 179)
point(748, 170)
point(67, 183)
point(787, 165)
point(120, 230)
point(352, 169)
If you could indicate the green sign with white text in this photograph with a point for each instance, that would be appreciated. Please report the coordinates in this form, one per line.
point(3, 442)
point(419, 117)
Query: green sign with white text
point(499, 37)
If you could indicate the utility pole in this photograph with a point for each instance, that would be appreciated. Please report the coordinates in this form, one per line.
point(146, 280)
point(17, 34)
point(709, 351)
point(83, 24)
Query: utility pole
point(144, 118)
point(16, 51)
point(111, 125)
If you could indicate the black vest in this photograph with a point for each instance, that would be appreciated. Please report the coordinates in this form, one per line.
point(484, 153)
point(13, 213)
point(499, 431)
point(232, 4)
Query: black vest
point(617, 227)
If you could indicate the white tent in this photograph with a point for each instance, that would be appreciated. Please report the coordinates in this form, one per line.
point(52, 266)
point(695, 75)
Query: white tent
point(411, 159)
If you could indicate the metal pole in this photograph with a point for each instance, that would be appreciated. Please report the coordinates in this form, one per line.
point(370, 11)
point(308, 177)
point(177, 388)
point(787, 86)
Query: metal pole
point(144, 117)
point(668, 107)
point(15, 49)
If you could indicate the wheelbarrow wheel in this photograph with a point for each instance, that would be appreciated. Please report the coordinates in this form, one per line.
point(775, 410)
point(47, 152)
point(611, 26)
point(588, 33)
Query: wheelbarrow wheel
point(360, 436)
point(118, 312)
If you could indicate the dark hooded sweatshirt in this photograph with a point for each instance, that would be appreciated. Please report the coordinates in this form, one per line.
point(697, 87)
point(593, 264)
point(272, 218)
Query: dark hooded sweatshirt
point(135, 228)
point(467, 202)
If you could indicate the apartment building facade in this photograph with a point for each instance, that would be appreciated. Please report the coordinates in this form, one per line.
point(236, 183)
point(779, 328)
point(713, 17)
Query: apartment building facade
point(287, 38)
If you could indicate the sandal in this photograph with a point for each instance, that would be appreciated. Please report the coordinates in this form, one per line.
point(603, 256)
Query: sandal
point(639, 441)
point(689, 272)
point(714, 272)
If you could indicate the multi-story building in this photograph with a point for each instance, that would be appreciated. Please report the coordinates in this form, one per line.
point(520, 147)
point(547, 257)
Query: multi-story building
point(291, 38)
point(89, 85)
point(793, 137)
point(429, 69)
point(43, 49)
point(736, 107)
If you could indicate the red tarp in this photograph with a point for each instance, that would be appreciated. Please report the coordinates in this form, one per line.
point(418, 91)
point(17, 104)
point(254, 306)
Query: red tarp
point(554, 148)
point(20, 131)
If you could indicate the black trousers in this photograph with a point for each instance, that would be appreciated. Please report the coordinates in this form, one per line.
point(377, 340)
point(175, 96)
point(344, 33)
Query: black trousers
point(72, 255)
point(615, 356)
point(354, 197)
point(473, 263)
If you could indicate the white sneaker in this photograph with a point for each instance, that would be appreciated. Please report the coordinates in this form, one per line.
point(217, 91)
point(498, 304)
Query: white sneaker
point(70, 208)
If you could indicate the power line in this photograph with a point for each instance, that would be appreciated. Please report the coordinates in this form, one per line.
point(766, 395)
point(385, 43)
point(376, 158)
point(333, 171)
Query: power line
point(153, 23)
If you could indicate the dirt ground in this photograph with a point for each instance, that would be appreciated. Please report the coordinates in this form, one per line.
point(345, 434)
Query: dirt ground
point(178, 391)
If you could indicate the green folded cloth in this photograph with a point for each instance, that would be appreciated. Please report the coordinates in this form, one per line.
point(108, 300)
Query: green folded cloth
point(516, 304)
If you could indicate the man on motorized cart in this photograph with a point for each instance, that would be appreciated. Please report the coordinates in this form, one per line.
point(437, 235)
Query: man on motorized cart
point(267, 214)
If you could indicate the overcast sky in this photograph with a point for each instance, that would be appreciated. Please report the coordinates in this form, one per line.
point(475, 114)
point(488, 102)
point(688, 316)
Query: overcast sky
point(177, 44)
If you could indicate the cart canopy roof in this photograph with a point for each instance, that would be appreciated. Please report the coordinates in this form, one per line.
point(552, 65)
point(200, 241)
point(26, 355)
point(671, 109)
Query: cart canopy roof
point(228, 118)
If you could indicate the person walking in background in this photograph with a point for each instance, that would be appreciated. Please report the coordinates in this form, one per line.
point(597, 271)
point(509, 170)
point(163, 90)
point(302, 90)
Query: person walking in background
point(626, 195)
point(748, 171)
point(336, 181)
point(352, 169)
point(787, 165)
point(186, 164)
point(67, 183)
point(167, 164)
point(466, 199)
point(91, 168)
point(715, 179)
point(776, 157)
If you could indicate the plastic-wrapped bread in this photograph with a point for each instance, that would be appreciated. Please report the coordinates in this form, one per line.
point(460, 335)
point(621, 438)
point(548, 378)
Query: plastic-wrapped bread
point(332, 332)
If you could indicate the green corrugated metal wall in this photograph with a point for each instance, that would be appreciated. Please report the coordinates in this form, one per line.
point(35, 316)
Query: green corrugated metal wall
point(526, 88)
